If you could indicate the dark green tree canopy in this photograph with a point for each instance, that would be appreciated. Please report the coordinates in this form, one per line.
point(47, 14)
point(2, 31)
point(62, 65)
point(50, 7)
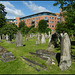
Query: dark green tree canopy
point(9, 29)
point(69, 24)
point(21, 24)
point(2, 15)
point(42, 25)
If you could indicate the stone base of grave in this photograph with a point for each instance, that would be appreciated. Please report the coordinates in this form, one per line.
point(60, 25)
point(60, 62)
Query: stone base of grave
point(7, 57)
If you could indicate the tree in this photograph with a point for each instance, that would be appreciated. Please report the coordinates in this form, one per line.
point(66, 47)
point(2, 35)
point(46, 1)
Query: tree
point(69, 8)
point(21, 25)
point(42, 25)
point(33, 30)
point(47, 30)
point(2, 15)
point(24, 30)
point(9, 29)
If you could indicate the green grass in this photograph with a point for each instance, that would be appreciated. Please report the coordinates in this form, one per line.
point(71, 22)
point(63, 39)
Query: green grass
point(18, 66)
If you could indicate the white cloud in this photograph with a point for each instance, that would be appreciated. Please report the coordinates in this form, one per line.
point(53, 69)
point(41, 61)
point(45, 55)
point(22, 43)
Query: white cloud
point(11, 10)
point(35, 8)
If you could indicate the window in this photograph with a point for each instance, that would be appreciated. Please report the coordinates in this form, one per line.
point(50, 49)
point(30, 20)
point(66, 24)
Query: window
point(55, 18)
point(36, 18)
point(45, 18)
point(16, 22)
point(33, 19)
point(55, 22)
point(52, 26)
point(36, 22)
point(52, 17)
point(52, 30)
point(52, 21)
point(39, 18)
point(55, 26)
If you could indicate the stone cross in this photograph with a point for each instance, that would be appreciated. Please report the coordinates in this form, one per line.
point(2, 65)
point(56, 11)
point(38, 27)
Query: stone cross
point(65, 59)
point(19, 39)
point(43, 38)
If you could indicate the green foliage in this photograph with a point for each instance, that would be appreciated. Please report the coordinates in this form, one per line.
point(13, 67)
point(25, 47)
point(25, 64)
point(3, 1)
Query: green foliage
point(33, 30)
point(42, 25)
point(68, 8)
point(2, 15)
point(60, 27)
point(47, 30)
point(9, 29)
point(24, 30)
point(21, 25)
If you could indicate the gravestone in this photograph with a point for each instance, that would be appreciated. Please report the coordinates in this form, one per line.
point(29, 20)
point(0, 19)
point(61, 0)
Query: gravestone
point(7, 38)
point(50, 61)
point(49, 37)
point(0, 38)
point(43, 38)
point(3, 37)
point(26, 37)
point(6, 57)
point(2, 50)
point(19, 39)
point(65, 59)
point(45, 35)
point(38, 39)
point(14, 36)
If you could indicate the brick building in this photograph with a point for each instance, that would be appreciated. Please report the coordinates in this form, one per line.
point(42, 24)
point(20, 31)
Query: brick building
point(33, 20)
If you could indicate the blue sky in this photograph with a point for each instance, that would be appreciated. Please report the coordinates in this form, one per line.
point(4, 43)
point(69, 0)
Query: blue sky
point(25, 8)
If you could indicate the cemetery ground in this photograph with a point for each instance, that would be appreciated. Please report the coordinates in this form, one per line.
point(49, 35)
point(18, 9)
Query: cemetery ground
point(20, 66)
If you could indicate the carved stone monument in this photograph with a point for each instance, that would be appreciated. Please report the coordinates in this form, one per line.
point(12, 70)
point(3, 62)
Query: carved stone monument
point(19, 39)
point(65, 59)
point(38, 39)
point(43, 38)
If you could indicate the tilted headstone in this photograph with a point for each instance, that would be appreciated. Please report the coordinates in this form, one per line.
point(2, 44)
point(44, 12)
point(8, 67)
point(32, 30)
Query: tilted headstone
point(6, 57)
point(3, 37)
point(43, 38)
point(0, 38)
point(65, 59)
point(2, 50)
point(19, 39)
point(49, 37)
point(7, 37)
point(38, 39)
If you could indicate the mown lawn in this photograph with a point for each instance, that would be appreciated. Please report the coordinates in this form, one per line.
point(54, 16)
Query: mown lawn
point(19, 66)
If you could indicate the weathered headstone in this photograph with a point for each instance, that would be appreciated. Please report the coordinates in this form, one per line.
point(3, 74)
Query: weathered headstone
point(45, 35)
point(38, 39)
point(43, 39)
point(65, 59)
point(2, 50)
point(7, 37)
point(3, 37)
point(26, 37)
point(19, 39)
point(6, 57)
point(49, 37)
point(0, 38)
